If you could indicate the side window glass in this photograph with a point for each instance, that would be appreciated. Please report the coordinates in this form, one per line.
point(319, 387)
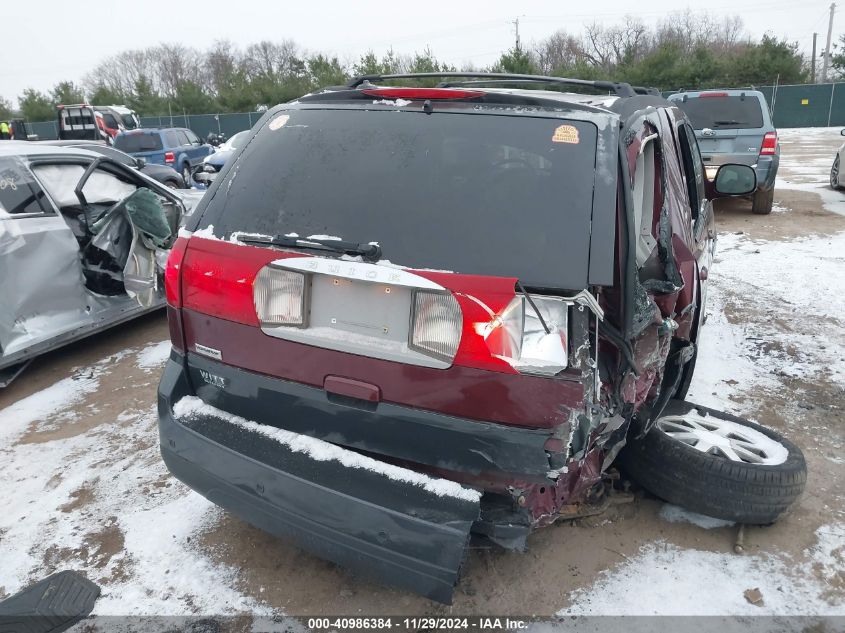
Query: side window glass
point(183, 138)
point(693, 168)
point(172, 139)
point(192, 138)
point(102, 187)
point(19, 192)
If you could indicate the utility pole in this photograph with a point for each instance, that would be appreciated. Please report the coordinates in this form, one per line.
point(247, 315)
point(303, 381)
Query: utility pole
point(516, 28)
point(827, 46)
point(813, 60)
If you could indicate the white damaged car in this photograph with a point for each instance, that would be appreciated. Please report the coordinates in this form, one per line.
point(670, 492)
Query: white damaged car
point(83, 244)
point(837, 173)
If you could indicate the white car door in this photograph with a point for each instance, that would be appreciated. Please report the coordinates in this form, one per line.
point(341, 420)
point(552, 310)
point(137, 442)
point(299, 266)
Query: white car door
point(41, 281)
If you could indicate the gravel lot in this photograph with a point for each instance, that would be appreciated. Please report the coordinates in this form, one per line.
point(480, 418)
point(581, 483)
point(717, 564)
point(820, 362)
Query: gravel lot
point(85, 489)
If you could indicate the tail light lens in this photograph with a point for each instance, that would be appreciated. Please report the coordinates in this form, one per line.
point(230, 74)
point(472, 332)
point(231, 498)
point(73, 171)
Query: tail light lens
point(770, 143)
point(280, 297)
point(517, 335)
point(436, 324)
point(169, 157)
point(172, 273)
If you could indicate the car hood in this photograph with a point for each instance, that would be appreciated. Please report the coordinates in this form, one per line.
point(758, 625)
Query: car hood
point(218, 159)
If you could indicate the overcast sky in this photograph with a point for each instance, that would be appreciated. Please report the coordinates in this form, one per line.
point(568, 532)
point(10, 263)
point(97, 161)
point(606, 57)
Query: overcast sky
point(44, 42)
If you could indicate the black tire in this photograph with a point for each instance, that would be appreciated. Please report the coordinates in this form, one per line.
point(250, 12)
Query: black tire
point(834, 174)
point(713, 485)
point(173, 184)
point(761, 203)
point(186, 175)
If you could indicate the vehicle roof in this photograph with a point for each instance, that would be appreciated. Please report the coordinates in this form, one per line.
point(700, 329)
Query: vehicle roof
point(28, 148)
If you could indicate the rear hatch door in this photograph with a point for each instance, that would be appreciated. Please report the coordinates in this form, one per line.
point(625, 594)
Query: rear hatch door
point(142, 144)
point(729, 128)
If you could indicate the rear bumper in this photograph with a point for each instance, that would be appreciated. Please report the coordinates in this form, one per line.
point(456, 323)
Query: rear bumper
point(767, 170)
point(766, 167)
point(443, 442)
point(378, 526)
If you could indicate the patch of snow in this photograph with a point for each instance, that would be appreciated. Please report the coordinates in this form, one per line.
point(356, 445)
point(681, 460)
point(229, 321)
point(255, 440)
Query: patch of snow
point(324, 237)
point(674, 578)
point(16, 418)
point(102, 502)
point(154, 356)
point(832, 200)
point(207, 233)
point(784, 279)
point(399, 103)
point(324, 451)
point(167, 567)
point(676, 514)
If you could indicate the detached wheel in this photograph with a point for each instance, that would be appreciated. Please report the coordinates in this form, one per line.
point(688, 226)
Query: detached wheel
point(717, 464)
point(761, 203)
point(834, 174)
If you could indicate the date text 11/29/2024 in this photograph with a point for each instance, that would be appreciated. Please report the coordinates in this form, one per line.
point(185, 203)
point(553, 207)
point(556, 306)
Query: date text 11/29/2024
point(478, 623)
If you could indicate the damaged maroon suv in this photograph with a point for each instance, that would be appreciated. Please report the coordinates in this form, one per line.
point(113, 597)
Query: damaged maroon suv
point(402, 316)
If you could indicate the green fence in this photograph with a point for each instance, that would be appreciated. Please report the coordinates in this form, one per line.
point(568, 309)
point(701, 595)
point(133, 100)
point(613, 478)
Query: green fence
point(804, 105)
point(204, 124)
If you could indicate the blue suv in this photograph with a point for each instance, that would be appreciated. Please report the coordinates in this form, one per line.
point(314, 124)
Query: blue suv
point(176, 147)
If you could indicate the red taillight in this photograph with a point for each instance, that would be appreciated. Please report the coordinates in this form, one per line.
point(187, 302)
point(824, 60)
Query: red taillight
point(706, 95)
point(770, 144)
point(172, 277)
point(169, 157)
point(423, 93)
point(218, 278)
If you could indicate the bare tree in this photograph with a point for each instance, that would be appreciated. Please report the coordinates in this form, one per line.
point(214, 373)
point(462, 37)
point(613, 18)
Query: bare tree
point(560, 50)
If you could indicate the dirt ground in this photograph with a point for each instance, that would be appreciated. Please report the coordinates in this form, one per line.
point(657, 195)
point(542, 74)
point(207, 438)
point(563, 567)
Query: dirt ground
point(261, 570)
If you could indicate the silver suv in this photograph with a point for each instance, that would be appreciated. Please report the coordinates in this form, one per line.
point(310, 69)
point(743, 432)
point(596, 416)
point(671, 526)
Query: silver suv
point(735, 126)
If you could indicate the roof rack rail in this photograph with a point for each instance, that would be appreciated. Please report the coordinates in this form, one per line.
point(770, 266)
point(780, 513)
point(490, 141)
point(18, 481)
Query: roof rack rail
point(643, 90)
point(621, 89)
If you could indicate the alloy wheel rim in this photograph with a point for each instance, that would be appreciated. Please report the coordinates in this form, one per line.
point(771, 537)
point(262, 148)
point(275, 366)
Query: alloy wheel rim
point(834, 173)
point(723, 438)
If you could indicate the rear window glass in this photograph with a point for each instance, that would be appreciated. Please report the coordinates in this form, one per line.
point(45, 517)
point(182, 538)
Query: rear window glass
point(482, 194)
point(723, 113)
point(130, 143)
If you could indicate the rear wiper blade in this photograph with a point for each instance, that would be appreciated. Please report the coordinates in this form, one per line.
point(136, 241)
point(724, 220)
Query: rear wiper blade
point(370, 252)
point(725, 122)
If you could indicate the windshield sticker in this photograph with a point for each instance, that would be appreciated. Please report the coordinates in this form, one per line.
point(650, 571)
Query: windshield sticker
point(279, 121)
point(565, 134)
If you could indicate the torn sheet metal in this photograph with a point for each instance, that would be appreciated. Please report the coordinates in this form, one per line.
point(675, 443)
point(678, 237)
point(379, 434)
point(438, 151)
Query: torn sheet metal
point(41, 283)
